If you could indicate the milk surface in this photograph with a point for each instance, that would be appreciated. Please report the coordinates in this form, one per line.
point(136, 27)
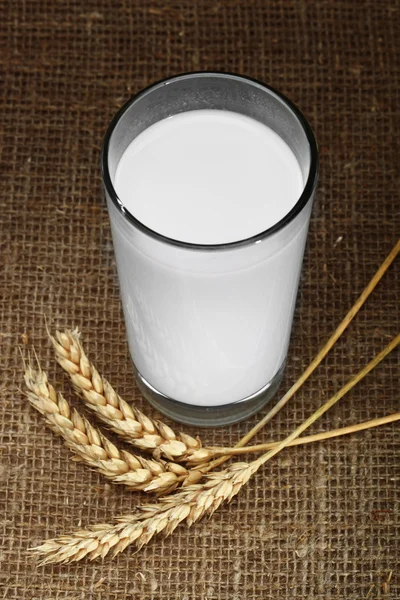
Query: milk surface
point(208, 177)
point(208, 327)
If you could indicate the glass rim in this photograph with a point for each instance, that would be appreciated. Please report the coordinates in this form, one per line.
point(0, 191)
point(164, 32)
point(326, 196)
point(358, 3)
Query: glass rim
point(305, 197)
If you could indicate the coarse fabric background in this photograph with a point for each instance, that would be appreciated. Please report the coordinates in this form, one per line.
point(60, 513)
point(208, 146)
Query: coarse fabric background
point(318, 522)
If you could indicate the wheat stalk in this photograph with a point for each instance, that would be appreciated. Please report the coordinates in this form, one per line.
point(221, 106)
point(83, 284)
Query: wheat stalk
point(189, 504)
point(91, 447)
point(198, 458)
point(127, 421)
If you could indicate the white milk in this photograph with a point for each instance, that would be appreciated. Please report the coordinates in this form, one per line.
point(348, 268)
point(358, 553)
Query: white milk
point(208, 327)
point(208, 177)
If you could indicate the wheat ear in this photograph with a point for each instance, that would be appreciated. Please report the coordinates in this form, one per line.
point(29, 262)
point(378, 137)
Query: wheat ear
point(127, 421)
point(91, 447)
point(189, 504)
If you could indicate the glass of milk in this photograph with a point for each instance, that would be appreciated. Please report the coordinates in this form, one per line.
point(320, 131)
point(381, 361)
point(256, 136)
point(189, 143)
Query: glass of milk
point(209, 179)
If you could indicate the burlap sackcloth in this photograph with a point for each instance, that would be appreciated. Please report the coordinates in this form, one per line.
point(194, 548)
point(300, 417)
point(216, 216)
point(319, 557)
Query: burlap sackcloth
point(320, 521)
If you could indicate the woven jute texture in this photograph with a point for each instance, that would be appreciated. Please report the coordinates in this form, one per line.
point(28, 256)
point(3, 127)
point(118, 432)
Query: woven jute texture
point(320, 521)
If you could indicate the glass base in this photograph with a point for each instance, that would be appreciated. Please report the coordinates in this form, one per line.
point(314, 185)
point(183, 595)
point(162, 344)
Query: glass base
point(209, 416)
